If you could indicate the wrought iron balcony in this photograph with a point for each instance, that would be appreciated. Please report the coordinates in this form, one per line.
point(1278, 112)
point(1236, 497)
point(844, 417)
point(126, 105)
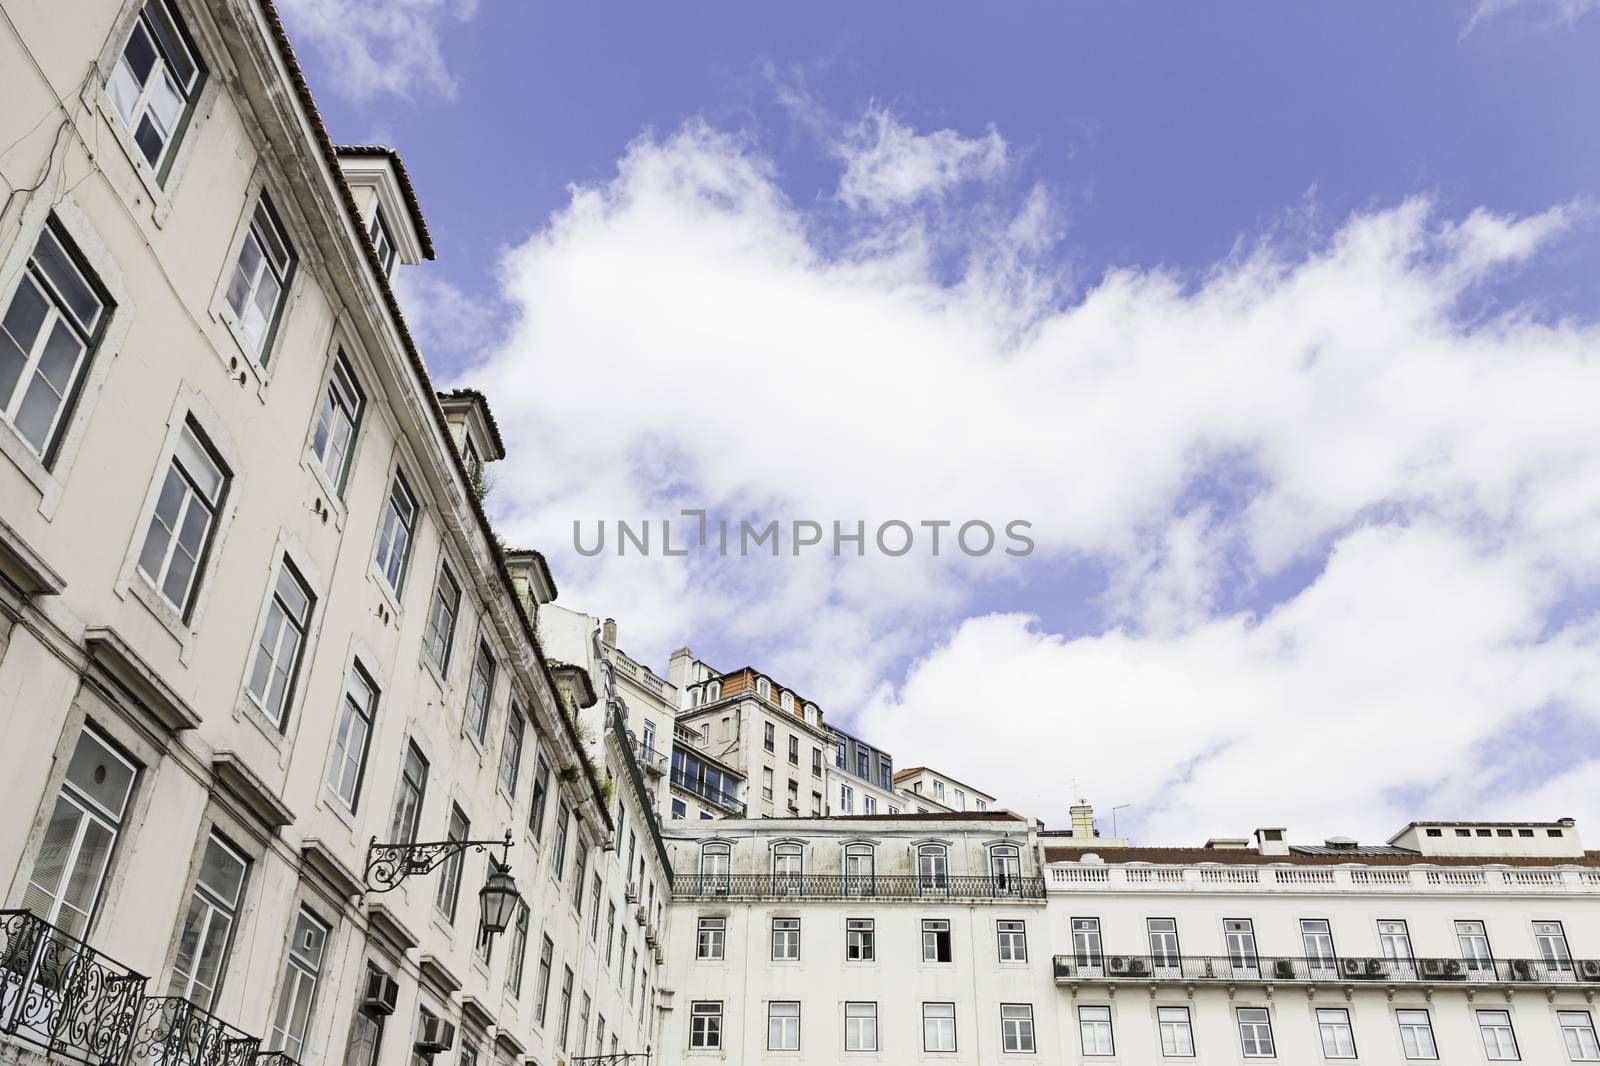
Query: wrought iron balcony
point(62, 996)
point(274, 1058)
point(837, 886)
point(714, 796)
point(651, 759)
point(176, 1032)
point(1341, 970)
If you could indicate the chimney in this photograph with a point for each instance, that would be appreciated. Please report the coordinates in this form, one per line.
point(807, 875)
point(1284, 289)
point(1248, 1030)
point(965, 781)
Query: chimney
point(608, 632)
point(1272, 841)
point(678, 668)
point(1083, 820)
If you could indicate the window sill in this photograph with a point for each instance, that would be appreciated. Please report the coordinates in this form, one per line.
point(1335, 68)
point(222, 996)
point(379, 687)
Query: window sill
point(328, 801)
point(331, 495)
point(391, 598)
point(29, 464)
point(247, 709)
point(164, 612)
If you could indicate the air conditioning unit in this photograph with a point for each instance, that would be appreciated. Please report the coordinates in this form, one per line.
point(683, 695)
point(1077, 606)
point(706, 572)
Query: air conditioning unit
point(381, 993)
point(1440, 969)
point(435, 1035)
point(1124, 966)
point(632, 893)
point(650, 935)
point(1283, 969)
point(638, 915)
point(1522, 970)
point(795, 807)
point(1360, 968)
point(659, 957)
point(1589, 969)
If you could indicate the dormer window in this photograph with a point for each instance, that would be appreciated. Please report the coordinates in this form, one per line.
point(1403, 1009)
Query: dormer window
point(763, 688)
point(714, 692)
point(154, 83)
point(473, 460)
point(382, 241)
point(786, 701)
point(812, 715)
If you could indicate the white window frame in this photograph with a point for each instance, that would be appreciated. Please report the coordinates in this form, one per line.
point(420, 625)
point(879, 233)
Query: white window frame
point(1012, 939)
point(390, 561)
point(279, 624)
point(705, 1025)
point(444, 614)
point(1175, 1031)
point(1095, 1035)
point(302, 974)
point(262, 226)
point(338, 414)
point(861, 1026)
point(1336, 1033)
point(783, 1027)
point(710, 938)
point(1578, 1035)
point(1416, 1026)
point(860, 940)
point(1498, 1035)
point(191, 447)
point(935, 1025)
point(1016, 1029)
point(786, 940)
point(1255, 1029)
point(215, 915)
point(164, 71)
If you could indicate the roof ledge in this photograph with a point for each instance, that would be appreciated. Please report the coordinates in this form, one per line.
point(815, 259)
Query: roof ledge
point(132, 675)
point(380, 168)
point(26, 568)
point(242, 783)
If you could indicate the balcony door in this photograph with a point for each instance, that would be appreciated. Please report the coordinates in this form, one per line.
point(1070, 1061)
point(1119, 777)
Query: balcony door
point(1473, 940)
point(71, 867)
point(1239, 939)
point(787, 862)
point(1005, 871)
point(1088, 958)
point(1164, 956)
point(1395, 939)
point(1316, 937)
point(859, 870)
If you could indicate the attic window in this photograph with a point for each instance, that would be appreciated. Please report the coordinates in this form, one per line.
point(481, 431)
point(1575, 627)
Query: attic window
point(1463, 832)
point(1553, 832)
point(1484, 833)
point(1502, 832)
point(1524, 832)
point(1436, 832)
point(382, 243)
point(473, 461)
point(1272, 834)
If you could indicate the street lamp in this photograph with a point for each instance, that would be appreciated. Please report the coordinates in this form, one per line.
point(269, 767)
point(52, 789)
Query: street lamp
point(390, 864)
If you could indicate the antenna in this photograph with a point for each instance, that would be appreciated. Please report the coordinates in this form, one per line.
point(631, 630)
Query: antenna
point(1114, 810)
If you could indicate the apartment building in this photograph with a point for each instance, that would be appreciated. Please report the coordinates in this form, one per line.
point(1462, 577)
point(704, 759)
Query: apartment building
point(860, 776)
point(264, 672)
point(927, 791)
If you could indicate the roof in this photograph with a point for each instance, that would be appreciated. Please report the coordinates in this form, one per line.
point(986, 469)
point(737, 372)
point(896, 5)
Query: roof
point(1251, 857)
point(536, 559)
point(488, 415)
point(908, 771)
point(406, 188)
point(280, 39)
point(1354, 849)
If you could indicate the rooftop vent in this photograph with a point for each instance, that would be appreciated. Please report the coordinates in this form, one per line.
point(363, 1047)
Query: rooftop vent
point(1341, 842)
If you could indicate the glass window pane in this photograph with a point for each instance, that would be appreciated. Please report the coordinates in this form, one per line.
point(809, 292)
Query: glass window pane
point(99, 775)
point(80, 300)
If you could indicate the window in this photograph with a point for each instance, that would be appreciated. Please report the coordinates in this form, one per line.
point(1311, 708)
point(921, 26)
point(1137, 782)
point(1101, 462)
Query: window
point(710, 938)
point(519, 951)
point(766, 783)
point(794, 750)
point(299, 990)
point(838, 752)
point(184, 519)
point(260, 277)
point(794, 796)
point(1552, 940)
point(716, 866)
point(861, 1027)
point(1338, 1038)
point(541, 794)
point(961, 800)
point(1013, 941)
point(1395, 940)
point(783, 1025)
point(933, 869)
point(71, 865)
point(442, 621)
point(208, 925)
point(583, 1023)
point(1316, 937)
point(565, 1021)
point(511, 753)
point(938, 790)
point(399, 519)
point(408, 804)
point(679, 808)
point(1255, 1033)
point(786, 701)
point(154, 83)
point(785, 939)
point(351, 736)
point(713, 691)
point(816, 762)
point(581, 854)
point(448, 893)
point(813, 716)
point(769, 737)
point(885, 772)
point(50, 331)
point(863, 764)
point(1473, 942)
point(1163, 936)
point(541, 994)
point(1577, 1030)
point(1416, 1034)
point(869, 805)
point(705, 1025)
point(938, 1027)
point(859, 870)
point(894, 810)
point(1239, 939)
point(1005, 870)
point(469, 1053)
point(1086, 943)
point(935, 940)
point(1177, 1035)
point(847, 799)
point(816, 800)
point(366, 1032)
point(278, 648)
point(382, 243)
point(594, 909)
point(858, 937)
point(337, 422)
point(787, 868)
point(1499, 1041)
point(558, 857)
point(763, 688)
point(983, 805)
point(1094, 1030)
point(1016, 1028)
point(611, 929)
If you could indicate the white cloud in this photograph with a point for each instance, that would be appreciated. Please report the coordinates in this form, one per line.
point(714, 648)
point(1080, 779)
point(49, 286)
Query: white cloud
point(889, 164)
point(1559, 12)
point(443, 317)
point(379, 47)
point(683, 339)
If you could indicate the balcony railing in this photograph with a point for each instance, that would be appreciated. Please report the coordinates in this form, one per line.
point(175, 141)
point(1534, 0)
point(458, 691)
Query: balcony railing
point(651, 759)
point(714, 796)
point(845, 886)
point(61, 995)
point(176, 1032)
point(1212, 878)
point(1342, 970)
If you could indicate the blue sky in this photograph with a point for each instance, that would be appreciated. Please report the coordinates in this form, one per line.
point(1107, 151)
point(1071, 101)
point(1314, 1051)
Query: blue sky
point(1275, 321)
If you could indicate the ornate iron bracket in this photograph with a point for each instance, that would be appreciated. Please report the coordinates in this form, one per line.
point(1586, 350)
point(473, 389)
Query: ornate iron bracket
point(390, 864)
